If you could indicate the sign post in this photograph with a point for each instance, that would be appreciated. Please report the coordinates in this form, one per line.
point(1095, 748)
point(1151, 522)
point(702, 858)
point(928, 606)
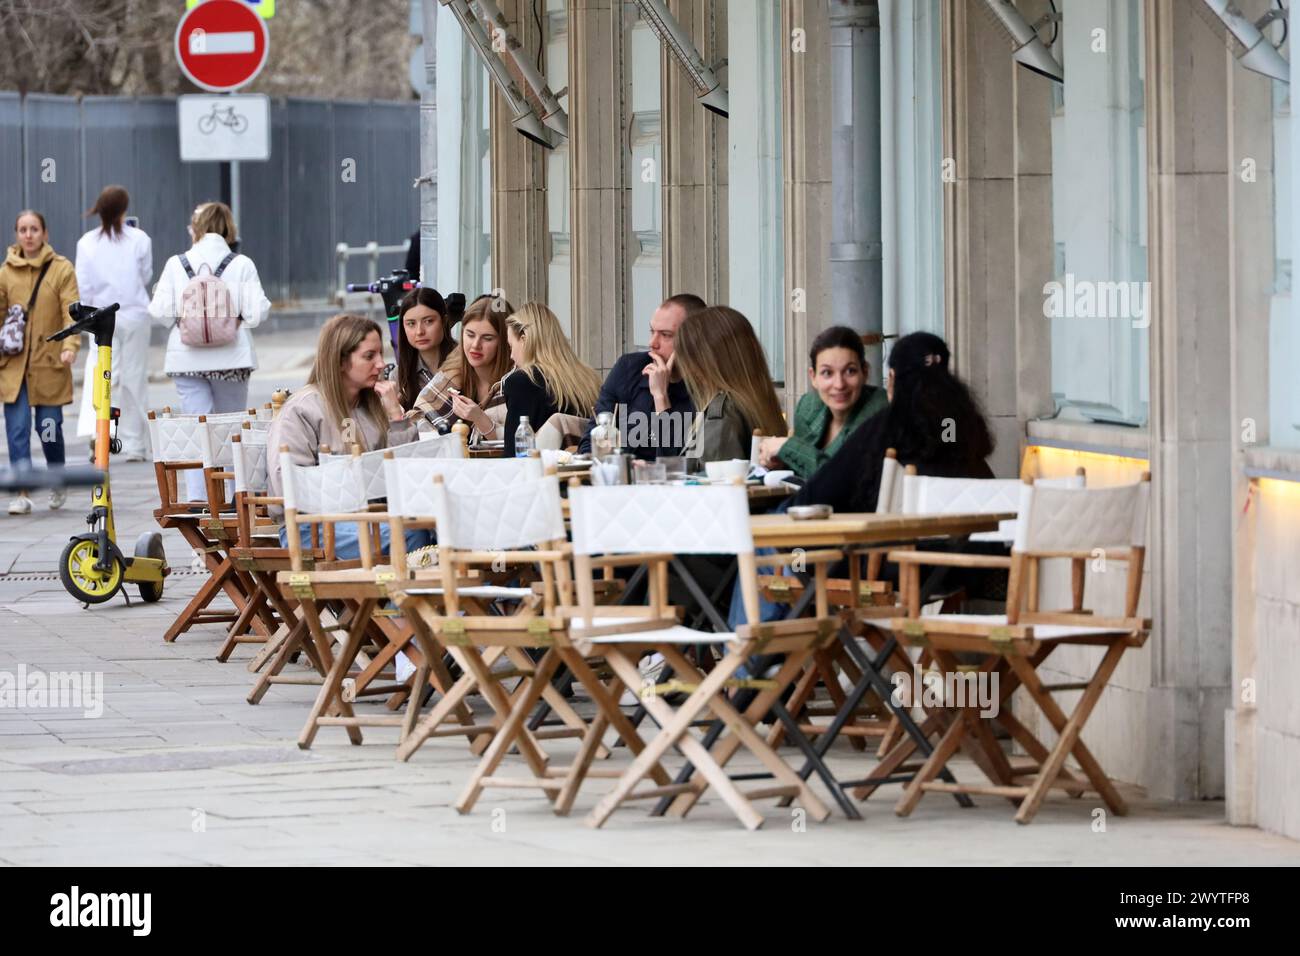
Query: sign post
point(222, 45)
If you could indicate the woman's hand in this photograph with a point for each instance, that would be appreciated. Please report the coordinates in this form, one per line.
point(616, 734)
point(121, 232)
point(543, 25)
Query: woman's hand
point(769, 452)
point(67, 356)
point(468, 410)
point(389, 398)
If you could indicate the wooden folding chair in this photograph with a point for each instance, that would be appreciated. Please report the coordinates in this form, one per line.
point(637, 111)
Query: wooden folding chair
point(1053, 522)
point(649, 524)
point(179, 446)
point(424, 488)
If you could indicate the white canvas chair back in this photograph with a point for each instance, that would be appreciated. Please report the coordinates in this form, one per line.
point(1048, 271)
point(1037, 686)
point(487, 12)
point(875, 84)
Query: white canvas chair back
point(889, 498)
point(335, 486)
point(527, 514)
point(1080, 520)
point(214, 440)
point(248, 461)
point(372, 462)
point(409, 481)
point(176, 439)
point(923, 494)
point(679, 519)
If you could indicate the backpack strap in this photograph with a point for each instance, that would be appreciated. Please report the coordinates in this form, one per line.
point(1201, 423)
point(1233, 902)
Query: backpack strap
point(230, 257)
point(185, 264)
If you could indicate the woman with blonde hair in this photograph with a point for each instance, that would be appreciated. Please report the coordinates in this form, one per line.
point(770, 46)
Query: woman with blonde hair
point(467, 387)
point(346, 402)
point(210, 378)
point(549, 378)
point(725, 370)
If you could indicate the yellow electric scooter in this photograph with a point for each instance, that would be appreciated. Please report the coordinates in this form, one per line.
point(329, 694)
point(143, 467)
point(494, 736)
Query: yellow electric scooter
point(92, 567)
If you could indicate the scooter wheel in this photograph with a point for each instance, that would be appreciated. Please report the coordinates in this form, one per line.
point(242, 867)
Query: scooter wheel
point(149, 545)
point(82, 579)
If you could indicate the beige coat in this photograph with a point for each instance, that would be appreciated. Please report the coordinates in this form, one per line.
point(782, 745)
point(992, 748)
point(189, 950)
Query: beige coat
point(303, 427)
point(49, 380)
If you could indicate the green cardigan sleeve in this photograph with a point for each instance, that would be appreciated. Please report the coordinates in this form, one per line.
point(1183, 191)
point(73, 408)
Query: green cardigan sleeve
point(800, 452)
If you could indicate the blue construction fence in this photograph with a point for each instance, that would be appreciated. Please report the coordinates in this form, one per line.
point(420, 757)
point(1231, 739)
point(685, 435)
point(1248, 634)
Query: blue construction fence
point(57, 152)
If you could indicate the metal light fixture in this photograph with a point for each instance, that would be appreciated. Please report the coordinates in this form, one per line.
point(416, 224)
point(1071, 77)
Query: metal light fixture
point(554, 117)
point(1029, 50)
point(1253, 50)
point(708, 89)
point(526, 120)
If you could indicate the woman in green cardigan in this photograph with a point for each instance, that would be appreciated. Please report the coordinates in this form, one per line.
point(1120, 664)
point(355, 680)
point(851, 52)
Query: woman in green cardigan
point(841, 400)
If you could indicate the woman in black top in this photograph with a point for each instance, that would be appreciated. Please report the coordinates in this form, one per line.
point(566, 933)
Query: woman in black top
point(548, 378)
point(932, 422)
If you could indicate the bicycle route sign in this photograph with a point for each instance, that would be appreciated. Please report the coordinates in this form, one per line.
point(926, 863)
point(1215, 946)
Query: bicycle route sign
point(222, 45)
point(228, 128)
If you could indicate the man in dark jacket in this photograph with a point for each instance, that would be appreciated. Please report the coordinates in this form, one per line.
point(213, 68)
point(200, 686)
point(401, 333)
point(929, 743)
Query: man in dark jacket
point(649, 400)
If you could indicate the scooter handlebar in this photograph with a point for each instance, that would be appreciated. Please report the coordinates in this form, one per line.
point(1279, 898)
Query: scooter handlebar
point(83, 318)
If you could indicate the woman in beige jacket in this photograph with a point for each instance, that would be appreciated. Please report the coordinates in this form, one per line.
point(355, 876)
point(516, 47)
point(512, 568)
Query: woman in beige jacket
point(344, 403)
point(39, 376)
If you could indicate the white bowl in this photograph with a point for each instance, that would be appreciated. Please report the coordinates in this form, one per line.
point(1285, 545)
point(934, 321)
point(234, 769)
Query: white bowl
point(725, 470)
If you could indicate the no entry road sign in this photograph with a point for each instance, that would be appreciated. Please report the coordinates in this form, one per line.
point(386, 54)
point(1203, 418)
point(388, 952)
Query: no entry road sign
point(221, 44)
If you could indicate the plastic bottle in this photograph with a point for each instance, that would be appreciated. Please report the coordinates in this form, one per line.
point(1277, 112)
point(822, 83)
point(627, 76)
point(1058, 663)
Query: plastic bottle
point(525, 441)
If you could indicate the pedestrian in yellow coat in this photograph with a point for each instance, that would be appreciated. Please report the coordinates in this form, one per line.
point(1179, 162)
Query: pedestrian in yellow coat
point(40, 376)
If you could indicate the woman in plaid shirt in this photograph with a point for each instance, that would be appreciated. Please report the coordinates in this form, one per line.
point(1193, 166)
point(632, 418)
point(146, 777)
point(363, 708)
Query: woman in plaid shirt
point(840, 401)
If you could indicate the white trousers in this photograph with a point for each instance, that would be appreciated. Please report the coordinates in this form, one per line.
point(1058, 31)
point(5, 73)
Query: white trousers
point(130, 385)
point(199, 396)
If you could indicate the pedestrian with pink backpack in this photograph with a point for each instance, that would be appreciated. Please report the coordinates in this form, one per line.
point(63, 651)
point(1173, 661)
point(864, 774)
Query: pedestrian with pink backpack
point(210, 297)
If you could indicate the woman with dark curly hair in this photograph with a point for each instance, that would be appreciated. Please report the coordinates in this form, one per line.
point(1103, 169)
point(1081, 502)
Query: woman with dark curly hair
point(932, 422)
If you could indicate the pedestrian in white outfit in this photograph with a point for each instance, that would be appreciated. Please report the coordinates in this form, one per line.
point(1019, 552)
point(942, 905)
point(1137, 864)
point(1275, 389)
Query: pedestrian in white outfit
point(210, 378)
point(115, 264)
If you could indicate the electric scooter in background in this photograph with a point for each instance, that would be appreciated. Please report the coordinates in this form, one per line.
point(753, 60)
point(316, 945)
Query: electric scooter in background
point(92, 567)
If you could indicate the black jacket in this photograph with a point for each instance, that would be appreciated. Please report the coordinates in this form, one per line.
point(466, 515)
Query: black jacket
point(645, 433)
point(850, 479)
point(525, 397)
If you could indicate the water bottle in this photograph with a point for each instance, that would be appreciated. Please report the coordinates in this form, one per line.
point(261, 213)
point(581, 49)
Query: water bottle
point(602, 436)
point(525, 441)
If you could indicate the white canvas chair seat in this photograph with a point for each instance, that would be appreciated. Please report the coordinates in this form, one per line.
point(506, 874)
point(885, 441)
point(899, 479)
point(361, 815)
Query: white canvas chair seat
point(678, 634)
point(483, 592)
point(1042, 632)
point(335, 486)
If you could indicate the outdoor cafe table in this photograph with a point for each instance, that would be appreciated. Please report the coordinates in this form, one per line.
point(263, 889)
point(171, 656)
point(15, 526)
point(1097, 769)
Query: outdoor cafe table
point(847, 532)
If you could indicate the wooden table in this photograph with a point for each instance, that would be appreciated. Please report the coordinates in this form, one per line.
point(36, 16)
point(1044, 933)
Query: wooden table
point(853, 529)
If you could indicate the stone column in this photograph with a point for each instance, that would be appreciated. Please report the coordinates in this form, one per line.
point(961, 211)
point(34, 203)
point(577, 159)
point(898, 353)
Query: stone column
point(599, 198)
point(855, 169)
point(1187, 120)
point(694, 174)
point(519, 232)
point(1033, 257)
point(429, 147)
point(980, 229)
point(806, 161)
point(1252, 244)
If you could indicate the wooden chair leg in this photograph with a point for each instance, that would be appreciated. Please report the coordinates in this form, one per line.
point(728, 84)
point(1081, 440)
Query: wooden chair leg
point(744, 732)
point(675, 731)
point(1069, 730)
point(512, 730)
point(331, 691)
point(938, 759)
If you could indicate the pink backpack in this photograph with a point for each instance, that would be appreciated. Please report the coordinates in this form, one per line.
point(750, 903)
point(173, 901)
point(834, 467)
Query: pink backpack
point(207, 309)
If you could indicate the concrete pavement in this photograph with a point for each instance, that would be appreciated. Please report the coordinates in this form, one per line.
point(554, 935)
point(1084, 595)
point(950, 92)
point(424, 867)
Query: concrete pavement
point(178, 769)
